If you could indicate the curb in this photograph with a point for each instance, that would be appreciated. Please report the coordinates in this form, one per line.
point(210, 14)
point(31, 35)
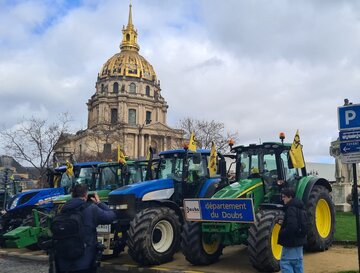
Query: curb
point(104, 265)
point(136, 269)
point(345, 243)
point(26, 256)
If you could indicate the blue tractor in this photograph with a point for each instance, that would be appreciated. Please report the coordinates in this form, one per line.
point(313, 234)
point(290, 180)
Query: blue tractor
point(150, 213)
point(18, 211)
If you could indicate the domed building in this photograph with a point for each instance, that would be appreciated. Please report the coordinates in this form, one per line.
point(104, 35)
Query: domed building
point(126, 109)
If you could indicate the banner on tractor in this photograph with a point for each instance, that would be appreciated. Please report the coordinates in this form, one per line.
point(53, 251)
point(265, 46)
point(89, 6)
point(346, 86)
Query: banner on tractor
point(219, 210)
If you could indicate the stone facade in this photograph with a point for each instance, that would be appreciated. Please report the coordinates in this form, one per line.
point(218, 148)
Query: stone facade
point(341, 192)
point(127, 109)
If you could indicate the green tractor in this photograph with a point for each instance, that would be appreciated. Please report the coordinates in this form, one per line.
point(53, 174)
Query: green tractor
point(261, 171)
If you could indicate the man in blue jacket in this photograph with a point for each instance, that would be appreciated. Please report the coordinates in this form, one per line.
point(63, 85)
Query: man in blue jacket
point(292, 252)
point(94, 214)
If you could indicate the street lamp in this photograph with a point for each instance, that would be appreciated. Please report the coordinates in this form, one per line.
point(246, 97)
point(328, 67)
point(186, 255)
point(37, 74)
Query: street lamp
point(141, 127)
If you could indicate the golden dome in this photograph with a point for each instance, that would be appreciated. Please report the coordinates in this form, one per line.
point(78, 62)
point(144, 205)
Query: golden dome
point(128, 62)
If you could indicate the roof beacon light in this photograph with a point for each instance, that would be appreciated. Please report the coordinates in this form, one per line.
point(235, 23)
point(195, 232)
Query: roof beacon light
point(231, 143)
point(282, 136)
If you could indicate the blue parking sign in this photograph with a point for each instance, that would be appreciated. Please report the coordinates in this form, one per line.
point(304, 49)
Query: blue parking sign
point(349, 117)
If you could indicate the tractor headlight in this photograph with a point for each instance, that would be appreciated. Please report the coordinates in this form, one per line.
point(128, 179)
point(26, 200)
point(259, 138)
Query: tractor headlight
point(14, 203)
point(123, 206)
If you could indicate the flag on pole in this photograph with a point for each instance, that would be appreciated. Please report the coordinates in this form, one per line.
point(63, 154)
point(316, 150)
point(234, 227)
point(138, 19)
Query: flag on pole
point(149, 154)
point(121, 156)
point(192, 143)
point(296, 153)
point(212, 160)
point(69, 169)
point(149, 167)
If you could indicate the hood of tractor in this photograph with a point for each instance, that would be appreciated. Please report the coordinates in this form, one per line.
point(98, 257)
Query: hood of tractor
point(141, 188)
point(243, 188)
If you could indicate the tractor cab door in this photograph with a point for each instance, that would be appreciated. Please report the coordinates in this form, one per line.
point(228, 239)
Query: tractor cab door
point(66, 182)
point(196, 175)
point(290, 175)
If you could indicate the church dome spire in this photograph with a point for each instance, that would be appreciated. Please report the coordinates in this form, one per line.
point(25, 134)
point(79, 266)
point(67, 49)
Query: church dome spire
point(129, 41)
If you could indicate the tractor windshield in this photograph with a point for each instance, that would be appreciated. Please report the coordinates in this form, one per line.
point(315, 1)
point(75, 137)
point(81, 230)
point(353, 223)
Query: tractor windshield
point(270, 164)
point(110, 177)
point(170, 166)
point(82, 176)
point(135, 174)
point(85, 175)
point(66, 180)
point(256, 162)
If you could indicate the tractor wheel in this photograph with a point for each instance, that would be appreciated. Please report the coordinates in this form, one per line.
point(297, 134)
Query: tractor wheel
point(264, 251)
point(198, 249)
point(321, 212)
point(154, 236)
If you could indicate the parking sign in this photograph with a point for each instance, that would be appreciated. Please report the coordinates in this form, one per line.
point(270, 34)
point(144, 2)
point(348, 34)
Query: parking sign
point(349, 117)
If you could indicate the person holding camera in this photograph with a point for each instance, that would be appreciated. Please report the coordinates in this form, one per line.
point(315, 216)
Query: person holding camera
point(93, 213)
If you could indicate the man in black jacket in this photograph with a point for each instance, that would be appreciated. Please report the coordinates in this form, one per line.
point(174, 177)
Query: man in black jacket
point(94, 214)
point(292, 253)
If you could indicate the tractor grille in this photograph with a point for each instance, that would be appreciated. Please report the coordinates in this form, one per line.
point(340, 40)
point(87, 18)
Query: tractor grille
point(123, 205)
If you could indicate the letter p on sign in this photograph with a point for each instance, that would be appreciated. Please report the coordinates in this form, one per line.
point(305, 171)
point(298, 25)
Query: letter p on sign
point(349, 116)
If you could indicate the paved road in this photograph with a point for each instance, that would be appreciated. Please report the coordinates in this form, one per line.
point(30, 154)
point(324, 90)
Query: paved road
point(234, 260)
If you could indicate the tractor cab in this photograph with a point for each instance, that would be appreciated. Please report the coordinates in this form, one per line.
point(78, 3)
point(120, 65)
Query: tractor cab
point(113, 175)
point(84, 172)
point(187, 169)
point(270, 163)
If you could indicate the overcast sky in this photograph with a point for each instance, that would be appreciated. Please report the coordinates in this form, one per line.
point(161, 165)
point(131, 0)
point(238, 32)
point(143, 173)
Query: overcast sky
point(260, 67)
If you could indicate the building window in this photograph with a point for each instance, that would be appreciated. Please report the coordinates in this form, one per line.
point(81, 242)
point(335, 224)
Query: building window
point(128, 37)
point(107, 150)
point(114, 116)
point(116, 88)
point(148, 117)
point(102, 87)
point(132, 116)
point(132, 88)
point(147, 91)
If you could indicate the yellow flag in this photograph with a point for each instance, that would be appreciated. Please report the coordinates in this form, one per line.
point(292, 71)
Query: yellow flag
point(296, 153)
point(212, 160)
point(192, 143)
point(121, 156)
point(69, 168)
point(149, 154)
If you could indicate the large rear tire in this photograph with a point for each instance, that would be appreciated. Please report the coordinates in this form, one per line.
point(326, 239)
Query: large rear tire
point(199, 248)
point(154, 236)
point(264, 251)
point(321, 212)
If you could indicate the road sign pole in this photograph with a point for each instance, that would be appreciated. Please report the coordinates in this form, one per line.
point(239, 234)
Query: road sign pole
point(356, 204)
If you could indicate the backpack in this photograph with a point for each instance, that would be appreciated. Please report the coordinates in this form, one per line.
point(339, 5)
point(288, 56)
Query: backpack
point(303, 223)
point(68, 233)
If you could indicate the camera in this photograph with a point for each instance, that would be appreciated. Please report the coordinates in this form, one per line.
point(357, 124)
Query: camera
point(90, 195)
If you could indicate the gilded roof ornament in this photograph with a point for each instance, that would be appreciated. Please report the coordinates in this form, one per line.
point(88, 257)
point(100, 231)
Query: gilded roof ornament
point(128, 62)
point(129, 41)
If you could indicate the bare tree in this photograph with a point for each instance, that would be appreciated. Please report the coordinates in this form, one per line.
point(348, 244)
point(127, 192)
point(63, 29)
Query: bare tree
point(107, 134)
point(208, 131)
point(32, 140)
